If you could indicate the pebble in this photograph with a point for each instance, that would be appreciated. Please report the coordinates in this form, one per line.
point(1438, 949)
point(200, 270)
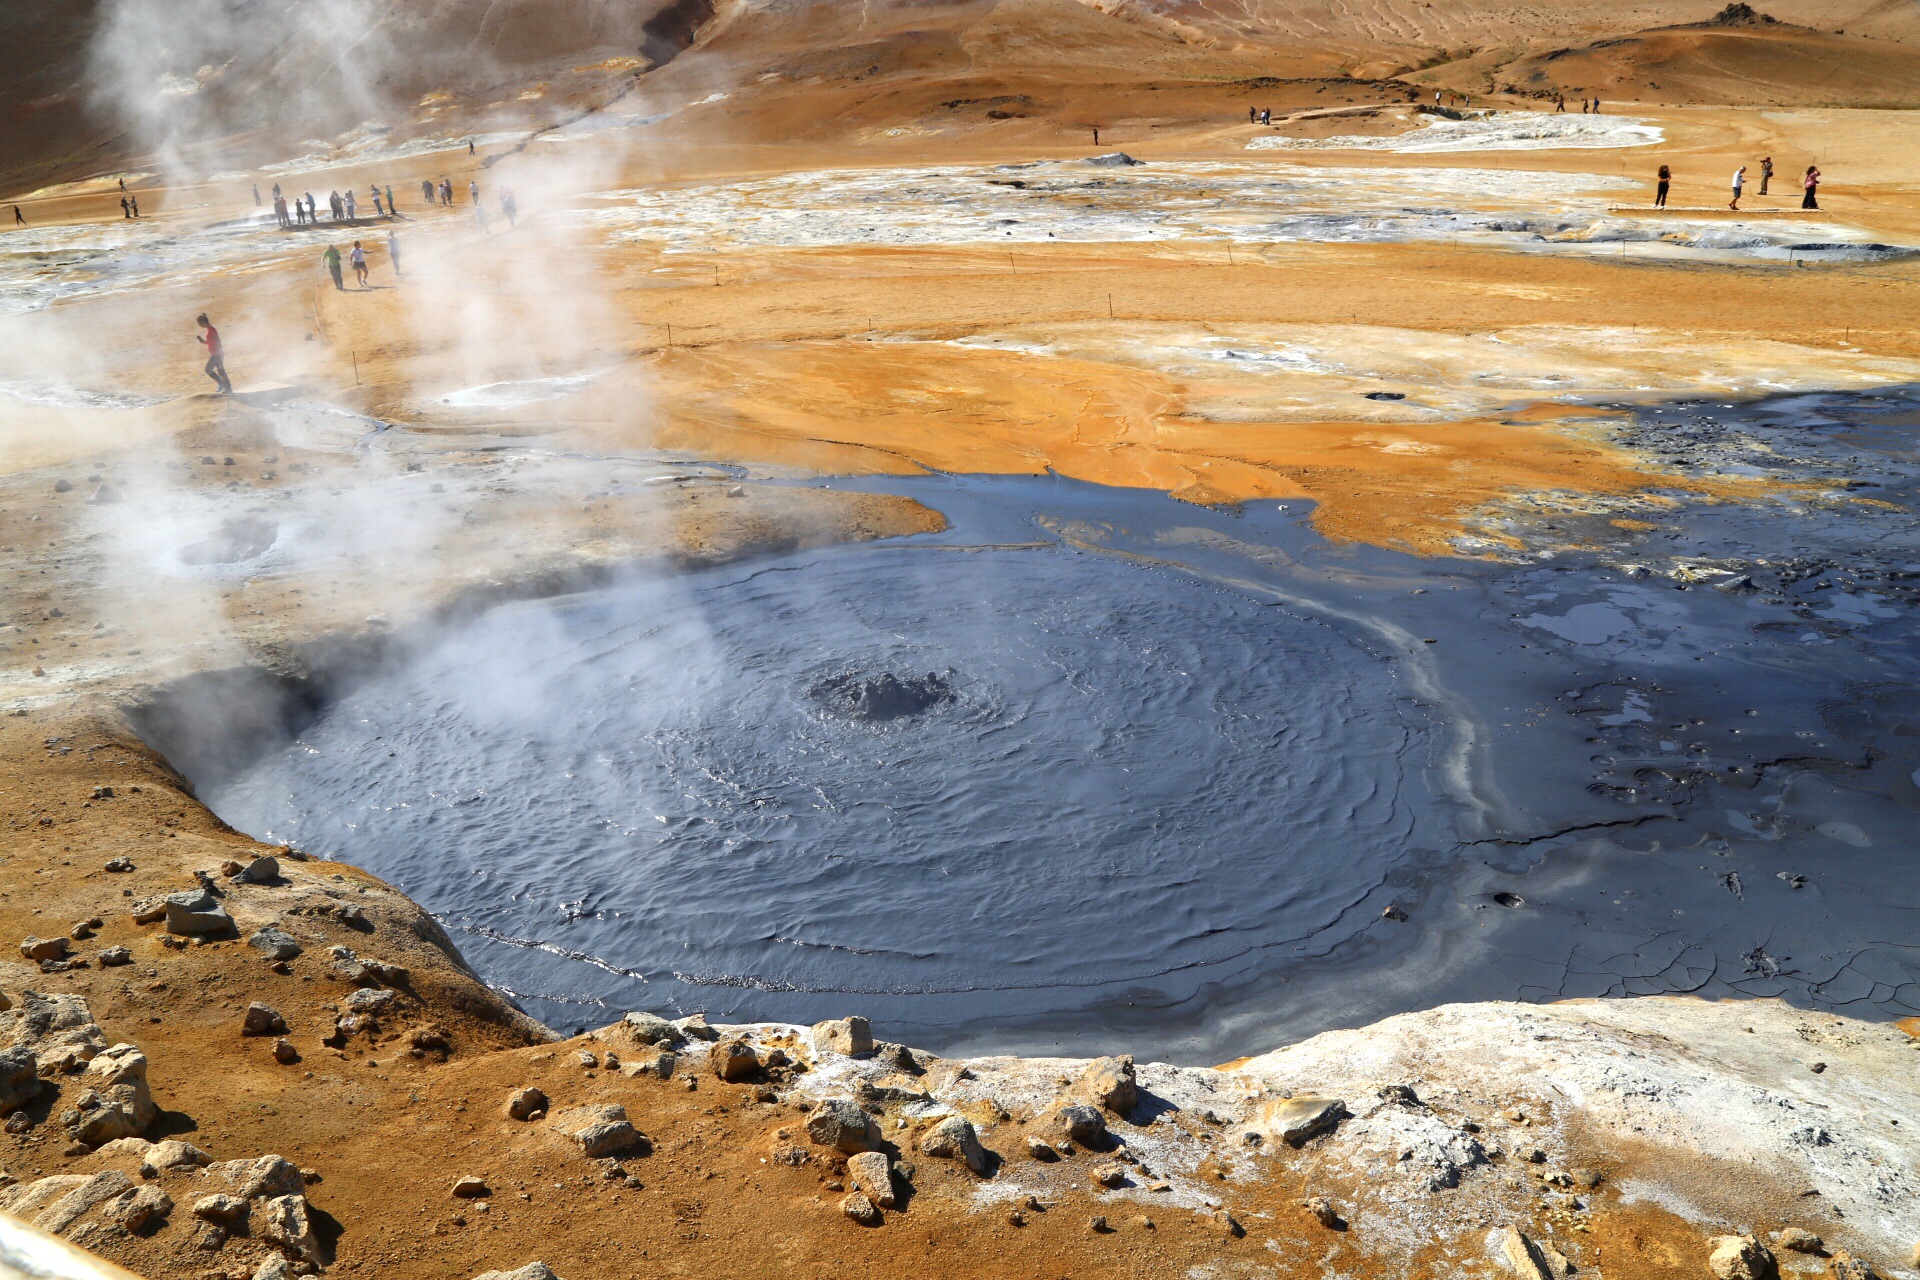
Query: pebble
point(262, 1020)
point(284, 1053)
point(115, 956)
point(526, 1104)
point(470, 1187)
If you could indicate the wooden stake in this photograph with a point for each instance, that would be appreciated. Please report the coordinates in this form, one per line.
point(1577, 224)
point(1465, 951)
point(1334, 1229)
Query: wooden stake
point(356, 368)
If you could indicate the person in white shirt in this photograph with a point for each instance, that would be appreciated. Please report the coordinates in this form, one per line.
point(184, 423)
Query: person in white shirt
point(1739, 181)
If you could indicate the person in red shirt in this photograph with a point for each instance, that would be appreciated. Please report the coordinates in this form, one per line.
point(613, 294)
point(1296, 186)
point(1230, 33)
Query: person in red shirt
point(216, 354)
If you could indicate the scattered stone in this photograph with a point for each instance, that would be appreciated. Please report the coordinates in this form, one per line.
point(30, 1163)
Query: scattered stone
point(850, 1037)
point(114, 1102)
point(734, 1060)
point(1016, 1218)
point(149, 910)
point(276, 943)
point(120, 864)
point(1110, 1176)
point(1041, 1149)
point(532, 1271)
point(600, 1130)
point(113, 957)
point(82, 929)
point(861, 1210)
point(872, 1175)
point(1847, 1267)
point(1323, 1211)
point(842, 1124)
point(268, 1175)
point(63, 486)
point(1533, 1259)
point(285, 1053)
point(19, 1079)
point(696, 1028)
point(145, 1207)
point(1081, 1123)
point(262, 870)
point(273, 1267)
point(1397, 914)
point(196, 913)
point(588, 1060)
point(1588, 1179)
point(1098, 1223)
point(470, 1188)
point(651, 1028)
point(260, 1020)
point(171, 1154)
point(1798, 1240)
point(44, 948)
point(105, 495)
point(1142, 1221)
point(954, 1139)
point(1110, 1083)
point(1114, 160)
point(897, 1056)
point(1741, 1258)
point(1295, 1120)
point(219, 1207)
point(526, 1104)
point(284, 1221)
point(370, 1000)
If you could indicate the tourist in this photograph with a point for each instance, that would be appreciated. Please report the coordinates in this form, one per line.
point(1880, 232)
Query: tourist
point(469, 146)
point(333, 204)
point(393, 210)
point(1739, 181)
point(393, 250)
point(19, 218)
point(1660, 190)
point(1266, 115)
point(332, 258)
point(507, 205)
point(1253, 115)
point(359, 259)
point(216, 367)
point(123, 208)
point(353, 213)
point(1766, 174)
point(133, 203)
point(1812, 185)
point(256, 195)
point(426, 190)
point(379, 210)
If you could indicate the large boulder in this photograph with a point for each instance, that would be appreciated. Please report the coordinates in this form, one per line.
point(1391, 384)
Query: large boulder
point(840, 1123)
point(285, 1222)
point(600, 1130)
point(872, 1174)
point(262, 1176)
point(734, 1060)
point(954, 1139)
point(850, 1036)
point(1110, 1083)
point(59, 1029)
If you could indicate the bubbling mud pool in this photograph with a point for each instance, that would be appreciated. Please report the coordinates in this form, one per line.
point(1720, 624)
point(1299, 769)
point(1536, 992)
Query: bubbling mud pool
point(1184, 780)
point(1086, 775)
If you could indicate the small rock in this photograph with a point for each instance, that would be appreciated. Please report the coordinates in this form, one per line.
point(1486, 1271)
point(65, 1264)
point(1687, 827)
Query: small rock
point(171, 1154)
point(1110, 1083)
point(276, 943)
point(1323, 1211)
point(861, 1210)
point(696, 1028)
point(120, 864)
point(284, 1052)
point(1741, 1258)
point(63, 486)
point(470, 1188)
point(370, 1000)
point(850, 1037)
point(1114, 160)
point(588, 1060)
point(1016, 1218)
point(1295, 1120)
point(600, 1130)
point(526, 1103)
point(1110, 1176)
point(262, 870)
point(872, 1175)
point(149, 910)
point(1098, 1222)
point(19, 1081)
point(105, 495)
point(1798, 1240)
point(840, 1123)
point(196, 913)
point(84, 928)
point(1041, 1149)
point(260, 1020)
point(1847, 1267)
point(954, 1139)
point(532, 1271)
point(734, 1060)
point(273, 1267)
point(1082, 1123)
point(1533, 1259)
point(1588, 1179)
point(219, 1208)
point(43, 948)
point(113, 957)
point(144, 1207)
point(651, 1028)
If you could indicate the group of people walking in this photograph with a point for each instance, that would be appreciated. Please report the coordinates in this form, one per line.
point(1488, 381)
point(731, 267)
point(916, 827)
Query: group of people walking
point(1809, 185)
point(1588, 106)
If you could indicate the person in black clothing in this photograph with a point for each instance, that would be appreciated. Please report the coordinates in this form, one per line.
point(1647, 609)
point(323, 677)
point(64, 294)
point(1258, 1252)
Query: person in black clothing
point(19, 219)
point(1660, 191)
point(1812, 184)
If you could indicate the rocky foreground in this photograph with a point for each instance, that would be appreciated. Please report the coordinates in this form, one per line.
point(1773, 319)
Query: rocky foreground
point(224, 1060)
